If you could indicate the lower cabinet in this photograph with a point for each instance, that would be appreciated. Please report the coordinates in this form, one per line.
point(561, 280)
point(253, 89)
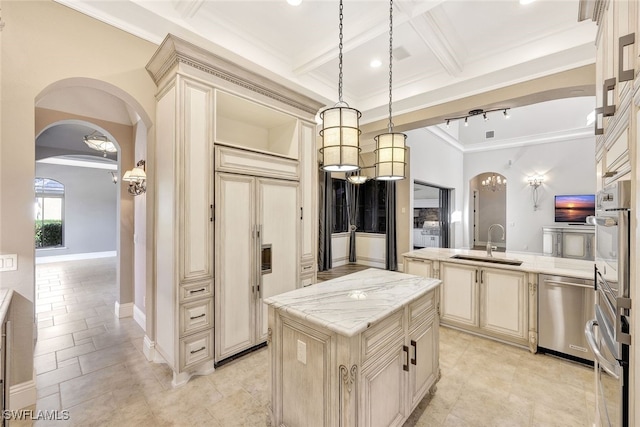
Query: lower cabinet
point(419, 267)
point(488, 301)
point(568, 242)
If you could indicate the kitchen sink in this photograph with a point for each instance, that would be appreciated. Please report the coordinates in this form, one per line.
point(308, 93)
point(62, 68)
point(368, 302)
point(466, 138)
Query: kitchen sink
point(503, 261)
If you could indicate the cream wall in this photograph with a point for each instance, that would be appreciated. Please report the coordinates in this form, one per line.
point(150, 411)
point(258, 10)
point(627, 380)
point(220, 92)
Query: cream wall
point(42, 43)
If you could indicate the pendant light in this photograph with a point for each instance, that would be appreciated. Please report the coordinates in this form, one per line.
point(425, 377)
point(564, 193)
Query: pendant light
point(391, 147)
point(340, 129)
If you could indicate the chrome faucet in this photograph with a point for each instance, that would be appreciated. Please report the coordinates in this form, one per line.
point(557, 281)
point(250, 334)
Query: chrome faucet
point(489, 247)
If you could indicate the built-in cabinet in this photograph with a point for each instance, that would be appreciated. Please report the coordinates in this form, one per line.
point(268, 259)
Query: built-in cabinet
point(256, 228)
point(231, 174)
point(489, 300)
point(569, 242)
point(616, 62)
point(493, 302)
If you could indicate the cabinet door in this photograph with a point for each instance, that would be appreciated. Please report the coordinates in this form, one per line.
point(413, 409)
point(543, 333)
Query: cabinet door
point(459, 294)
point(196, 231)
point(574, 245)
point(308, 194)
point(235, 293)
point(278, 242)
point(419, 267)
point(423, 353)
point(504, 303)
point(382, 390)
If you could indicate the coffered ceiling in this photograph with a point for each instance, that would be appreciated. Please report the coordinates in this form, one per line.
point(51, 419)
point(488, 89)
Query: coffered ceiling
point(443, 49)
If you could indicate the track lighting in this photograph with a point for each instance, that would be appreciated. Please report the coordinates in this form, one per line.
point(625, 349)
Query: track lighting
point(477, 112)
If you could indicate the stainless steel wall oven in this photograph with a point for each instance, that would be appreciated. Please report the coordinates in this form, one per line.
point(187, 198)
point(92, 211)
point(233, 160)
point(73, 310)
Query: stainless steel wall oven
point(608, 334)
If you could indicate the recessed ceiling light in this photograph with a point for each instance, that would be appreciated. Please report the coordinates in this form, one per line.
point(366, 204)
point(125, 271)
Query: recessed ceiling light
point(375, 63)
point(526, 1)
point(294, 2)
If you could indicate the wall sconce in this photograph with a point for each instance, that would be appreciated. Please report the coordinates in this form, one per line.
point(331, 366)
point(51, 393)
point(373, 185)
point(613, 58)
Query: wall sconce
point(535, 182)
point(137, 179)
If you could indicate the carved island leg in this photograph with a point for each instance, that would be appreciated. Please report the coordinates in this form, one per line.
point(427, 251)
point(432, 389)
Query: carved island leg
point(533, 313)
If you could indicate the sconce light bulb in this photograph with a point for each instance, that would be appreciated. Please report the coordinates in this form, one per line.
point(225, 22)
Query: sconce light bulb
point(466, 123)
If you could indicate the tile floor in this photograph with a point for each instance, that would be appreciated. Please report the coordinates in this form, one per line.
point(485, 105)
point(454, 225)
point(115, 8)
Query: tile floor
point(90, 363)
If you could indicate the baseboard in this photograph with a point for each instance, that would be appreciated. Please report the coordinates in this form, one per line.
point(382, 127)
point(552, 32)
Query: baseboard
point(124, 310)
point(23, 394)
point(74, 257)
point(149, 351)
point(140, 317)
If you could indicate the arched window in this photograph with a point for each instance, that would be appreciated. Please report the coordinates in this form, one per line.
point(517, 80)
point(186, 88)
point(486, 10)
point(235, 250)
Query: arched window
point(49, 210)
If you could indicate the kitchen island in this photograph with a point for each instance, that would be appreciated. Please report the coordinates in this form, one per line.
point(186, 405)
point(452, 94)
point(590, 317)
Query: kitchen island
point(359, 350)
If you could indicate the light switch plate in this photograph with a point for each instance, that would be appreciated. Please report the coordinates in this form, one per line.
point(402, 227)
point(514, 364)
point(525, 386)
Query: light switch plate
point(8, 262)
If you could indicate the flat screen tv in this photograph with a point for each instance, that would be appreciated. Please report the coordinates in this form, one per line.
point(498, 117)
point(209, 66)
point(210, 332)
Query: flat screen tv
point(574, 208)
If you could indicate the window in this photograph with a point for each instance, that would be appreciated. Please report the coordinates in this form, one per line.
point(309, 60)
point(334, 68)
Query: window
point(340, 213)
point(372, 207)
point(48, 213)
point(372, 212)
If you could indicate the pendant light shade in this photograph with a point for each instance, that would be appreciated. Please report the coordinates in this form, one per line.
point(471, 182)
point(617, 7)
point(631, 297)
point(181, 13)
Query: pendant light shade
point(390, 155)
point(391, 147)
point(340, 139)
point(340, 129)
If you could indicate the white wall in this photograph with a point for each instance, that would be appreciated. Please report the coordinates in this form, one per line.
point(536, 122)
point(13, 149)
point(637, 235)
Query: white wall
point(568, 167)
point(436, 162)
point(90, 215)
point(370, 250)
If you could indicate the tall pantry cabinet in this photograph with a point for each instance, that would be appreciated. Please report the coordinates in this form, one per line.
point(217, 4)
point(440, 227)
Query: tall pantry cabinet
point(235, 179)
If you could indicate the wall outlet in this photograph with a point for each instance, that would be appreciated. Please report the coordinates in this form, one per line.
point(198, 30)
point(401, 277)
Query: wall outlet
point(302, 352)
point(9, 262)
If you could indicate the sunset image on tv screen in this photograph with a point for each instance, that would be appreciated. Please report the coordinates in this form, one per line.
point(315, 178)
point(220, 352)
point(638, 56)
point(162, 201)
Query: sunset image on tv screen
point(574, 208)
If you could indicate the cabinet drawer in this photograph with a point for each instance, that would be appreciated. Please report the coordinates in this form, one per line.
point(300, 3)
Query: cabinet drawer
point(196, 349)
point(195, 316)
point(388, 332)
point(422, 308)
point(195, 291)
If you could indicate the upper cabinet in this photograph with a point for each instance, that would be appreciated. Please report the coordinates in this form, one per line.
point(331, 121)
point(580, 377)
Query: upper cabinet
point(617, 66)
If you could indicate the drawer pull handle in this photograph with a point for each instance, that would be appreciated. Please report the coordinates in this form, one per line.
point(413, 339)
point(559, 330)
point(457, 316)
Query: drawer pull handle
point(198, 350)
point(308, 267)
point(405, 367)
point(415, 352)
point(198, 316)
point(198, 290)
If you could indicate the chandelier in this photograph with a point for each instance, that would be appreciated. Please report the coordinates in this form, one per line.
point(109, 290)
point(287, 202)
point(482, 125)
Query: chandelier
point(494, 182)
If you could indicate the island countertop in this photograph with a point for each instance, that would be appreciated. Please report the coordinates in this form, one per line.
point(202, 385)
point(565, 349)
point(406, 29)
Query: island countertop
point(530, 262)
point(347, 305)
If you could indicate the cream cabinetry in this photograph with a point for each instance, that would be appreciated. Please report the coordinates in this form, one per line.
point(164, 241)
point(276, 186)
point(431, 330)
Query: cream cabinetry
point(420, 267)
point(616, 62)
point(308, 208)
point(257, 228)
point(489, 301)
point(372, 374)
point(569, 242)
point(215, 117)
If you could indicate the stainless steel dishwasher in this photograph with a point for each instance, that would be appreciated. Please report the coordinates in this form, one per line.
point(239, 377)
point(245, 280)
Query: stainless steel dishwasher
point(565, 305)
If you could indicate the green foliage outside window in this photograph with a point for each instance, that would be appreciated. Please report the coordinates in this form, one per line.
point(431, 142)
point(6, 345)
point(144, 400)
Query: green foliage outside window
point(48, 234)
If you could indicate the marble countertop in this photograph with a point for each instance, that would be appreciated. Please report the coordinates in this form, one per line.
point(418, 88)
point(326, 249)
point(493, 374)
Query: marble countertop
point(531, 263)
point(349, 304)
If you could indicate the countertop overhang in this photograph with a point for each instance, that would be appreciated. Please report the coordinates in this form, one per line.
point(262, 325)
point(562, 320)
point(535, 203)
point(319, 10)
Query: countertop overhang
point(349, 304)
point(530, 263)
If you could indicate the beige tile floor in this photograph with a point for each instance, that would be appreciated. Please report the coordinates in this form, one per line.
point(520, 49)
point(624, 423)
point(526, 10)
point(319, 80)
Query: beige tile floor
point(91, 364)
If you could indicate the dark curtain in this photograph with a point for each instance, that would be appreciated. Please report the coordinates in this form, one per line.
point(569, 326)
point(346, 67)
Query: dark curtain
point(352, 209)
point(391, 262)
point(325, 227)
point(445, 215)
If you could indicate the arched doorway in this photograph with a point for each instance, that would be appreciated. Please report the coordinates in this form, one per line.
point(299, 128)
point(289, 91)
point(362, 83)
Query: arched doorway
point(488, 193)
point(82, 105)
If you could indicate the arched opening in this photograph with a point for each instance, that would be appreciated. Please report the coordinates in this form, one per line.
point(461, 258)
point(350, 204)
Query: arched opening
point(65, 112)
point(488, 201)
